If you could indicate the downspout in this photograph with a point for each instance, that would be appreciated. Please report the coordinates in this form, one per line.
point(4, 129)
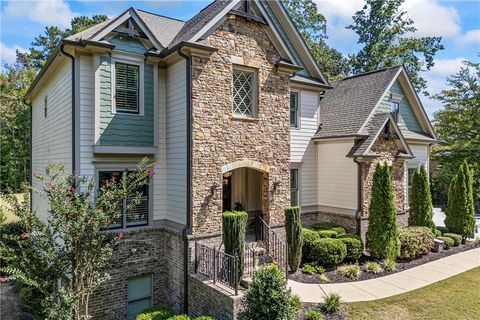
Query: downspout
point(187, 229)
point(30, 153)
point(358, 214)
point(73, 106)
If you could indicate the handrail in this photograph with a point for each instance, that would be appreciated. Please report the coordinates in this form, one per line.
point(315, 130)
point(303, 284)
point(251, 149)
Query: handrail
point(276, 247)
point(249, 260)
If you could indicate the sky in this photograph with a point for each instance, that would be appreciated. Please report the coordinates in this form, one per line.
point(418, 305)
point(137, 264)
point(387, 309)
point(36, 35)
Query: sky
point(456, 21)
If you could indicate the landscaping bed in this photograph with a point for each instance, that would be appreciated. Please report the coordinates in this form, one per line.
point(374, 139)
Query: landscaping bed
point(336, 277)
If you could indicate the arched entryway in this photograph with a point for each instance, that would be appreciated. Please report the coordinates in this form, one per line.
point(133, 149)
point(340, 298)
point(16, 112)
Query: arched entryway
point(245, 188)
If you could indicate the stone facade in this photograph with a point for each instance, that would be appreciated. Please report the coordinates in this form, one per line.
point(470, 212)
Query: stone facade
point(220, 139)
point(157, 252)
point(312, 217)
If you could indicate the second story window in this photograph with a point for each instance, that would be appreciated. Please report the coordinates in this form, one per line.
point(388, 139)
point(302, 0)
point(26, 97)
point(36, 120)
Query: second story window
point(127, 88)
point(395, 109)
point(294, 110)
point(244, 92)
point(137, 216)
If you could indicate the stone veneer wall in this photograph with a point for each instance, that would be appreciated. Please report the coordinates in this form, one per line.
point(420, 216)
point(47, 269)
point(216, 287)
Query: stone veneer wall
point(220, 139)
point(149, 251)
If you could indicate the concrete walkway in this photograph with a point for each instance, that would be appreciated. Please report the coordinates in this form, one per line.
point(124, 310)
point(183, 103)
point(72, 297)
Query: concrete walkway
point(393, 284)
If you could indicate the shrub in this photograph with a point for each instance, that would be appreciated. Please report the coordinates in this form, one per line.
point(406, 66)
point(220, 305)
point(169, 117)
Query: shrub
point(156, 313)
point(329, 226)
point(309, 237)
point(438, 233)
point(421, 208)
point(351, 271)
point(354, 248)
point(324, 278)
point(415, 241)
point(460, 213)
point(457, 239)
point(382, 233)
point(204, 318)
point(313, 268)
point(448, 242)
point(293, 227)
point(332, 303)
point(442, 229)
point(234, 224)
point(180, 317)
point(268, 296)
point(329, 252)
point(313, 314)
point(373, 267)
point(389, 265)
point(327, 233)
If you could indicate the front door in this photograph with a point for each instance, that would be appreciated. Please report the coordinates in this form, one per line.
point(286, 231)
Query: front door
point(227, 193)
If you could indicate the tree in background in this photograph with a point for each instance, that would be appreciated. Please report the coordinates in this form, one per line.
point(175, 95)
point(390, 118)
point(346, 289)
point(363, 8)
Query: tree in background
point(387, 36)
point(458, 125)
point(313, 28)
point(15, 80)
point(421, 208)
point(382, 234)
point(460, 216)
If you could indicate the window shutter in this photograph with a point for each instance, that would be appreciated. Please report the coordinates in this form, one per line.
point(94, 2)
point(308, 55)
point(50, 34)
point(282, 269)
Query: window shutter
point(127, 88)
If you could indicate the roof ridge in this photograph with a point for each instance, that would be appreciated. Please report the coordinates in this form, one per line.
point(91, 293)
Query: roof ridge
point(160, 15)
point(371, 72)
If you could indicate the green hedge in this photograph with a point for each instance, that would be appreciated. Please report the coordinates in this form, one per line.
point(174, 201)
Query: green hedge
point(328, 252)
point(448, 242)
point(293, 228)
point(156, 313)
point(457, 239)
point(329, 226)
point(309, 237)
point(354, 247)
point(327, 233)
point(442, 229)
point(234, 225)
point(415, 241)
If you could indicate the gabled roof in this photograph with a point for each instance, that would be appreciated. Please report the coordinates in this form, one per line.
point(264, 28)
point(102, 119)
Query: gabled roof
point(347, 109)
point(373, 130)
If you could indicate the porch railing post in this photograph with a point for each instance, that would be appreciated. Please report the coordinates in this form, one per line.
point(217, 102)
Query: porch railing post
point(214, 265)
point(235, 274)
point(196, 257)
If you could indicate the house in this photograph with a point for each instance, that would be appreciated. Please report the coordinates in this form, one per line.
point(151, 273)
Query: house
point(365, 119)
point(211, 100)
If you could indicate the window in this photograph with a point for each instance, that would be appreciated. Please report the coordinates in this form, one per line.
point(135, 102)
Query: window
point(135, 217)
point(294, 109)
point(127, 88)
point(395, 108)
point(45, 106)
point(411, 172)
point(244, 98)
point(294, 187)
point(139, 296)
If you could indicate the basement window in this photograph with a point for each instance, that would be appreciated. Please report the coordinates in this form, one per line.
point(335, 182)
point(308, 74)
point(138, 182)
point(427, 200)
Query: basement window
point(244, 92)
point(139, 296)
point(127, 88)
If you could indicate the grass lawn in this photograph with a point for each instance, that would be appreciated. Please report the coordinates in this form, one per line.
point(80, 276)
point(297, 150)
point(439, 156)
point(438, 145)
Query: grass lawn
point(455, 298)
point(5, 207)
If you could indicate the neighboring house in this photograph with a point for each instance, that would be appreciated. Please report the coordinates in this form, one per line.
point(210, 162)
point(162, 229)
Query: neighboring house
point(211, 101)
point(366, 119)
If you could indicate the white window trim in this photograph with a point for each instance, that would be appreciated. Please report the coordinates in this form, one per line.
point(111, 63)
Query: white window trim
point(254, 71)
point(299, 109)
point(141, 80)
point(121, 167)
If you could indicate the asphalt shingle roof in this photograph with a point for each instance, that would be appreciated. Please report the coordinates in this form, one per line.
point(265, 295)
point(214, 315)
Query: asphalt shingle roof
point(164, 29)
point(346, 107)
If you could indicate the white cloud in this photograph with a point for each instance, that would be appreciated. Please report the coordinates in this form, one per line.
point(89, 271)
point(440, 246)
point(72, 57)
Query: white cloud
point(470, 37)
point(9, 54)
point(52, 12)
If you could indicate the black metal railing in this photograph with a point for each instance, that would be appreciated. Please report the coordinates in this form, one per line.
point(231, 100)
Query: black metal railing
point(276, 247)
point(217, 265)
point(250, 261)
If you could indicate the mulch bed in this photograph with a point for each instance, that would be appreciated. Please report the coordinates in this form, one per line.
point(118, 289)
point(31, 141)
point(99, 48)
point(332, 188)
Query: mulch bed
point(342, 315)
point(401, 266)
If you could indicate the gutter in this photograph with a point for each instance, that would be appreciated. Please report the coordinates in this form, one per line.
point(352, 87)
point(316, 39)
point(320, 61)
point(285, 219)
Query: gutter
point(73, 106)
point(187, 229)
point(358, 213)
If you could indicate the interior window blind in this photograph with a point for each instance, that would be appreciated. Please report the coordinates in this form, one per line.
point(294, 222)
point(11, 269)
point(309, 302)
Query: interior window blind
point(126, 88)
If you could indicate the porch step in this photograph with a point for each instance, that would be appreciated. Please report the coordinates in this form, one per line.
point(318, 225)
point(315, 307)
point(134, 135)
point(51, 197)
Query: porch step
point(246, 282)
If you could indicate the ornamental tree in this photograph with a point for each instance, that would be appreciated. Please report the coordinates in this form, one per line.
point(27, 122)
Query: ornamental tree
point(72, 247)
point(460, 213)
point(421, 208)
point(382, 234)
point(293, 228)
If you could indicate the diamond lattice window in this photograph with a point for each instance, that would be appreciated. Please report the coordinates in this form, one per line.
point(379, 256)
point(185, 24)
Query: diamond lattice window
point(243, 93)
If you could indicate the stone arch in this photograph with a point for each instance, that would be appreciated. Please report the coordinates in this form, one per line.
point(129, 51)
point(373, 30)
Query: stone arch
point(265, 168)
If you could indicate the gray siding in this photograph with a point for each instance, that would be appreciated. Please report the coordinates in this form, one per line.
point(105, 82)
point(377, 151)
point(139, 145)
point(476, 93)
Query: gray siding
point(126, 44)
point(176, 139)
point(87, 115)
point(122, 129)
point(52, 135)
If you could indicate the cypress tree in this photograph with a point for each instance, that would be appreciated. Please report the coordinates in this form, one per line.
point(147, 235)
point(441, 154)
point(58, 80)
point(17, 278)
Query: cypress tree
point(460, 213)
point(382, 234)
point(293, 228)
point(234, 224)
point(421, 208)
